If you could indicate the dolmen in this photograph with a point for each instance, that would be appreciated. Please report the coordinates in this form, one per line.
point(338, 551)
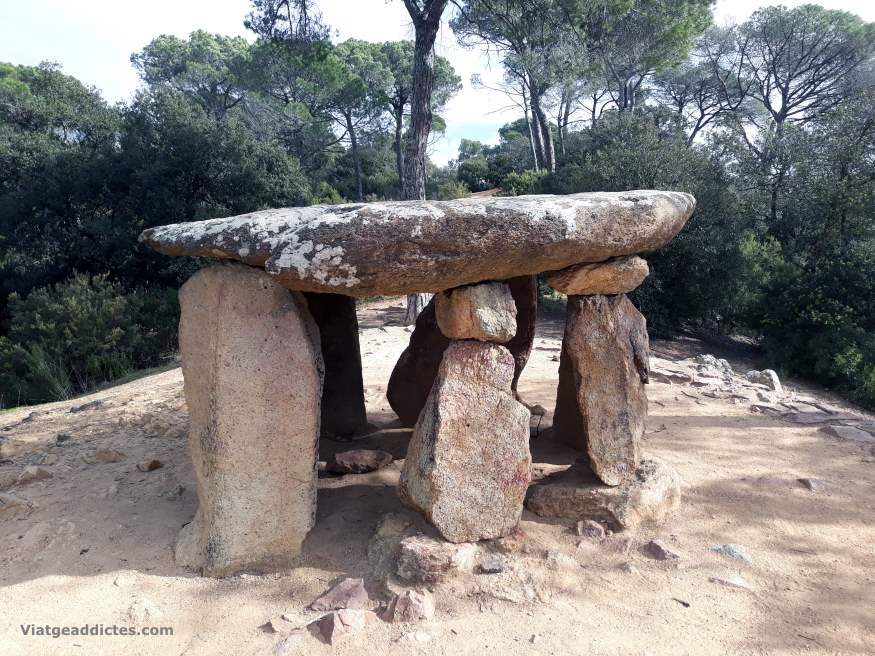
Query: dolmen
point(271, 359)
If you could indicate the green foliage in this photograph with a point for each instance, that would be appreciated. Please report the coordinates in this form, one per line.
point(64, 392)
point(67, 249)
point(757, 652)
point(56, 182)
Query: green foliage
point(518, 184)
point(65, 338)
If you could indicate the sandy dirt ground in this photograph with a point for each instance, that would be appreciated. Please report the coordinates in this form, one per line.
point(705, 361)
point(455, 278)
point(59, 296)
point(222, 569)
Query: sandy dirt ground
point(93, 543)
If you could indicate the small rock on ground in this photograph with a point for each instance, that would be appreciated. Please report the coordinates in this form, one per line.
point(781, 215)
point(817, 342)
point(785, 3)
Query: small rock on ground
point(659, 551)
point(341, 624)
point(358, 461)
point(33, 473)
point(410, 606)
point(736, 551)
point(813, 484)
point(491, 564)
point(731, 582)
point(590, 529)
point(848, 433)
point(349, 593)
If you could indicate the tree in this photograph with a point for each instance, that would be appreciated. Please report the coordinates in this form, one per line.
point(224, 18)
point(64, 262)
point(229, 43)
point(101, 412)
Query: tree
point(530, 35)
point(208, 67)
point(399, 57)
point(426, 17)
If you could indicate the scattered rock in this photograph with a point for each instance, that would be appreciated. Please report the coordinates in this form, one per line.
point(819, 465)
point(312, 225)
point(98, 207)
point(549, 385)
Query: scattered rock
point(415, 636)
point(851, 433)
point(410, 606)
point(659, 551)
point(108, 455)
point(709, 363)
point(766, 377)
point(282, 625)
point(60, 438)
point(358, 461)
point(630, 568)
point(472, 411)
point(349, 593)
point(91, 405)
point(149, 465)
point(341, 624)
point(13, 506)
point(814, 484)
point(291, 641)
point(426, 560)
point(485, 312)
point(590, 529)
point(491, 564)
point(650, 495)
point(734, 581)
point(619, 275)
point(731, 550)
point(33, 473)
point(668, 377)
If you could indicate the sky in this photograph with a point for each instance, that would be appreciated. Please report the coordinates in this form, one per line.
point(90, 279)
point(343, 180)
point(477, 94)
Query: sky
point(93, 41)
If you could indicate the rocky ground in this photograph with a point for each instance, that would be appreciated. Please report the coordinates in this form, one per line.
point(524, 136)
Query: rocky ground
point(93, 492)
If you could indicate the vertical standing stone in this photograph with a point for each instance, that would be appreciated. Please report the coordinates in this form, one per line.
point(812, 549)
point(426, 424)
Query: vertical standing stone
point(468, 465)
point(253, 383)
point(416, 369)
point(601, 402)
point(343, 395)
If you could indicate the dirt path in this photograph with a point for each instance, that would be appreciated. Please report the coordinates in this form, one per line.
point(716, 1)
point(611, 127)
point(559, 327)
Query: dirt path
point(93, 543)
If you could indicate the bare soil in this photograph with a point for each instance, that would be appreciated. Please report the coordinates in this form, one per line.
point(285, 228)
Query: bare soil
point(96, 545)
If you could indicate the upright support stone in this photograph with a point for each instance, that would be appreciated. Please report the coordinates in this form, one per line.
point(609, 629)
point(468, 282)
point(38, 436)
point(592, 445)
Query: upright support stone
point(601, 402)
point(468, 465)
point(343, 395)
point(416, 369)
point(253, 383)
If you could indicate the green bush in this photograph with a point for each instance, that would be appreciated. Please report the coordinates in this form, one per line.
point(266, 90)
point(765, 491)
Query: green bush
point(519, 184)
point(65, 339)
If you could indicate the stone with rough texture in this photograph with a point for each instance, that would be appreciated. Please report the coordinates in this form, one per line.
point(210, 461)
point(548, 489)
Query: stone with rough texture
point(358, 461)
point(650, 496)
point(851, 433)
point(619, 275)
point(659, 551)
point(252, 374)
point(343, 393)
point(33, 473)
point(349, 593)
point(416, 369)
point(485, 312)
point(429, 246)
point(13, 506)
point(601, 404)
point(410, 606)
point(766, 377)
point(590, 529)
point(468, 464)
point(423, 559)
point(342, 624)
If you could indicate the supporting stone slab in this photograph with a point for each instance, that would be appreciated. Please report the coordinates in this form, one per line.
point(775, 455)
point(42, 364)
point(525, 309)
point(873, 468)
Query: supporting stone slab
point(253, 382)
point(468, 465)
point(485, 312)
point(601, 403)
point(343, 395)
point(416, 369)
point(650, 495)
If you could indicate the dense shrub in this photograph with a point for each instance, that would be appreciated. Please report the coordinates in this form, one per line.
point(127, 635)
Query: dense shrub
point(66, 338)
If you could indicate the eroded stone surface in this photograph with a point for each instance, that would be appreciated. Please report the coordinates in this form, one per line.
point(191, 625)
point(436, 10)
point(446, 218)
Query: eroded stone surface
point(649, 496)
point(416, 369)
point(430, 246)
point(485, 312)
point(601, 403)
point(468, 464)
point(619, 275)
point(253, 383)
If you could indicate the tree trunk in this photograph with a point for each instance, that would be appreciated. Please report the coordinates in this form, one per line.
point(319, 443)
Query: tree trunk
point(426, 21)
point(536, 134)
point(399, 152)
point(360, 195)
point(546, 134)
point(535, 163)
point(415, 304)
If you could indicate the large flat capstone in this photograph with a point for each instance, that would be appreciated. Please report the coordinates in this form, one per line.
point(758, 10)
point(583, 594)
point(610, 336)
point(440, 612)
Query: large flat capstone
point(430, 246)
